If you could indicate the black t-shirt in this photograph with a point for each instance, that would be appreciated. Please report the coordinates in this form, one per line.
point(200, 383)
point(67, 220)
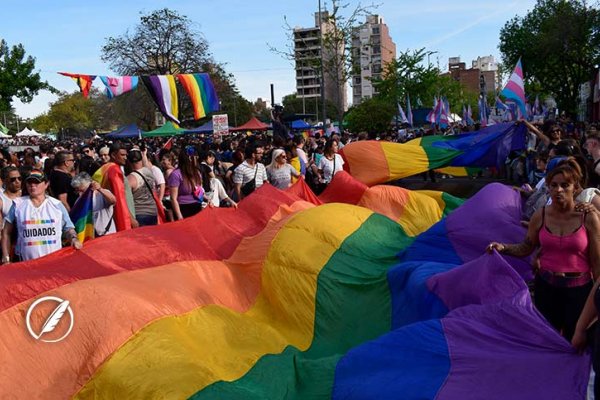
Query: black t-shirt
point(60, 182)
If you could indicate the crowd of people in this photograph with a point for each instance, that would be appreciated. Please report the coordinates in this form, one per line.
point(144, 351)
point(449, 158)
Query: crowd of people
point(144, 182)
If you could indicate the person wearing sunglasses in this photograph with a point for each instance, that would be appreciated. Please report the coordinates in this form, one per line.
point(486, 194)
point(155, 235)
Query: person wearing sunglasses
point(548, 141)
point(279, 172)
point(40, 222)
point(11, 183)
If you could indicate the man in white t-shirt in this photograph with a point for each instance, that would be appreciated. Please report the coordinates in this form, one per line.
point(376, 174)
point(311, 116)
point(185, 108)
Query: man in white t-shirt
point(251, 169)
point(40, 221)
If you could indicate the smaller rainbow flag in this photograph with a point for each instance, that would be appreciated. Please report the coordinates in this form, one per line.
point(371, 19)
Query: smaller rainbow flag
point(202, 93)
point(82, 216)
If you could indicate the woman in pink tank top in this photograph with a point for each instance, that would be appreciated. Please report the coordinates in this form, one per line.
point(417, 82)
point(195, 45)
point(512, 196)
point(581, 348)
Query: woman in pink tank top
point(569, 243)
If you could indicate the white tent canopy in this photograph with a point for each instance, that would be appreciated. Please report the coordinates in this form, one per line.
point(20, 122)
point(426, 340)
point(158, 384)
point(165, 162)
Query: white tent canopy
point(28, 133)
point(4, 136)
point(454, 118)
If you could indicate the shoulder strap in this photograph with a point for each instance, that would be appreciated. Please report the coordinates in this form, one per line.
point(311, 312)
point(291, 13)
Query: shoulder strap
point(145, 181)
point(255, 172)
point(543, 216)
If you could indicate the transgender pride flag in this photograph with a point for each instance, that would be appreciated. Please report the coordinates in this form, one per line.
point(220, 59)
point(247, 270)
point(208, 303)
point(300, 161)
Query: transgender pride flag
point(117, 85)
point(515, 88)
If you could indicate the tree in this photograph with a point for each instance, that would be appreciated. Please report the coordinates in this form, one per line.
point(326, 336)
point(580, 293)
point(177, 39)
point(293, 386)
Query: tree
point(165, 42)
point(72, 113)
point(371, 115)
point(409, 75)
point(17, 76)
point(339, 26)
point(559, 44)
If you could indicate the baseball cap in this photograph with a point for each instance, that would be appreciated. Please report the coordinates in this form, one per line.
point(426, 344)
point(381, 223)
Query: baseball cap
point(36, 175)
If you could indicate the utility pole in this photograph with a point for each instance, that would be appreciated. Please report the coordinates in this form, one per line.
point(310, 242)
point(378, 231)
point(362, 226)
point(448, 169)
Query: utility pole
point(322, 80)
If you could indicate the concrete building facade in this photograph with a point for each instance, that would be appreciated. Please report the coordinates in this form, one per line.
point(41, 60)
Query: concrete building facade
point(372, 49)
point(307, 54)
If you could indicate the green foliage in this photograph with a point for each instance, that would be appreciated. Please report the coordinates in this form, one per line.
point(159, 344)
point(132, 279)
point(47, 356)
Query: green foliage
point(71, 111)
point(372, 116)
point(17, 76)
point(559, 44)
point(411, 75)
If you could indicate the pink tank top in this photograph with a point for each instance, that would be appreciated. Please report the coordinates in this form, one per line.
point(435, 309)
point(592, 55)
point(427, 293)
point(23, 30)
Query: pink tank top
point(567, 253)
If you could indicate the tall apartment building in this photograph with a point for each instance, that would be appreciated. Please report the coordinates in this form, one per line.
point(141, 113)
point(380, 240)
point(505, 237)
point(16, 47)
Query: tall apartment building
point(307, 49)
point(372, 49)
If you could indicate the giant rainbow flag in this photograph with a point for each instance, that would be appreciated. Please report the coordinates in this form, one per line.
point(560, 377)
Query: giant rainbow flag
point(373, 162)
point(365, 292)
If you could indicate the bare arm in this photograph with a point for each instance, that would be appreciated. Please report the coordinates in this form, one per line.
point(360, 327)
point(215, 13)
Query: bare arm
point(161, 191)
point(587, 317)
point(132, 181)
point(63, 199)
point(175, 202)
point(592, 226)
point(527, 246)
point(532, 128)
point(71, 237)
point(238, 190)
point(6, 234)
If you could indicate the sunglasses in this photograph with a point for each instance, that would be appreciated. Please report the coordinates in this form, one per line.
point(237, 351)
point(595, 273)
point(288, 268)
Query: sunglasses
point(16, 178)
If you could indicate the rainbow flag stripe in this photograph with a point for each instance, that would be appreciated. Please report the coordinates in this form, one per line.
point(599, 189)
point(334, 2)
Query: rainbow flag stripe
point(202, 93)
point(39, 221)
point(293, 296)
point(374, 162)
point(82, 216)
point(41, 242)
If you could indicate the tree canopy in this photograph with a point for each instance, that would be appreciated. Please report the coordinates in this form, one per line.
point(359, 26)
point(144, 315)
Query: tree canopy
point(372, 116)
point(559, 45)
point(17, 76)
point(166, 42)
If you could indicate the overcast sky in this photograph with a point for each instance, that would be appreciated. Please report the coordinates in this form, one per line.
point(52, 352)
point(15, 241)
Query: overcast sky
point(68, 37)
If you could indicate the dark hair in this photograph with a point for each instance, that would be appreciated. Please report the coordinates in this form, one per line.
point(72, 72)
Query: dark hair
point(252, 149)
point(237, 158)
point(205, 173)
point(570, 169)
point(6, 171)
point(329, 146)
point(115, 148)
point(61, 157)
point(189, 170)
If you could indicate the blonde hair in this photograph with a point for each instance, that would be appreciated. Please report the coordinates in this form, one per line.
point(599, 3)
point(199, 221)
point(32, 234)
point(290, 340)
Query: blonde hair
point(276, 153)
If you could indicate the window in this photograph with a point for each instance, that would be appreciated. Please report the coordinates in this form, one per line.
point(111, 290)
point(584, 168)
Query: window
point(376, 30)
point(377, 49)
point(357, 80)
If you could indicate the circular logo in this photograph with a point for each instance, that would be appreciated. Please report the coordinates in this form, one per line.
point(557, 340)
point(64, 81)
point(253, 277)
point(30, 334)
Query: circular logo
point(51, 316)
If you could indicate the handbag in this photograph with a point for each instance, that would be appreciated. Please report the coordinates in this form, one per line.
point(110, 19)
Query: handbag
point(249, 187)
